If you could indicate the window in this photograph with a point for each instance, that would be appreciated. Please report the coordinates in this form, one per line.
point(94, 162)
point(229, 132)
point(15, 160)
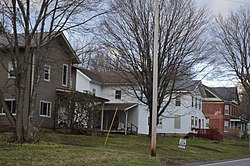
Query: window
point(196, 121)
point(178, 101)
point(177, 123)
point(203, 124)
point(159, 123)
point(226, 110)
point(199, 103)
point(226, 125)
point(65, 75)
point(11, 72)
point(207, 122)
point(192, 101)
point(192, 121)
point(93, 91)
point(12, 106)
point(45, 108)
point(118, 94)
point(195, 102)
point(46, 72)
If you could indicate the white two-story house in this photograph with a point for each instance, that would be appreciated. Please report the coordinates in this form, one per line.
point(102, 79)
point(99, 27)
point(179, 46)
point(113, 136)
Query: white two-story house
point(182, 115)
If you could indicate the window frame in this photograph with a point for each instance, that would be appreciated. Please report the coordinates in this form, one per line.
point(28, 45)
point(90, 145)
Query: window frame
point(11, 68)
point(196, 121)
point(160, 124)
point(192, 101)
point(178, 101)
point(67, 72)
point(199, 103)
point(11, 109)
point(94, 91)
point(192, 121)
point(226, 127)
point(49, 72)
point(117, 95)
point(226, 109)
point(195, 102)
point(47, 111)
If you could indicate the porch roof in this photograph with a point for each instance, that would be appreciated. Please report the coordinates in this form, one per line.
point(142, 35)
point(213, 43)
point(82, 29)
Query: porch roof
point(119, 106)
point(63, 92)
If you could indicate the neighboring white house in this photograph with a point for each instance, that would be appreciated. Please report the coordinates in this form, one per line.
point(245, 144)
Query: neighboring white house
point(182, 115)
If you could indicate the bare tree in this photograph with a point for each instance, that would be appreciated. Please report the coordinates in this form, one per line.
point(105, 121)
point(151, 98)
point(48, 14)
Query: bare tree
point(244, 103)
point(182, 45)
point(31, 26)
point(94, 57)
point(81, 112)
point(232, 40)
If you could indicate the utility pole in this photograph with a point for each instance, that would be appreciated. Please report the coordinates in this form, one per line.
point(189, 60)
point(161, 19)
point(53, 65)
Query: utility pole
point(155, 80)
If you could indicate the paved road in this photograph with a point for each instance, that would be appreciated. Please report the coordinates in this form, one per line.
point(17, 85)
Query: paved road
point(240, 162)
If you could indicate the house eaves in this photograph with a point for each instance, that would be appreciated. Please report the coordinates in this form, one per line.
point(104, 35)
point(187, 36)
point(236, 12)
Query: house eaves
point(5, 43)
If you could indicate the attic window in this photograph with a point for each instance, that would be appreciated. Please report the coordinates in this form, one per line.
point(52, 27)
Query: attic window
point(118, 94)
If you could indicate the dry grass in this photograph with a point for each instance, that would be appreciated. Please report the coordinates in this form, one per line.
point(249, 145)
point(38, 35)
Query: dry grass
point(59, 149)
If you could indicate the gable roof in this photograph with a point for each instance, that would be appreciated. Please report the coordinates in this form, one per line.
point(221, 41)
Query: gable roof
point(105, 77)
point(227, 94)
point(117, 77)
point(186, 85)
point(59, 36)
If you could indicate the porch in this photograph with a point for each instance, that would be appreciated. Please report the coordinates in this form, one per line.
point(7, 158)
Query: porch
point(124, 121)
point(238, 123)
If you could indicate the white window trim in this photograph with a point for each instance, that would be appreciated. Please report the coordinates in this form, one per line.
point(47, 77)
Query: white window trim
point(49, 71)
point(94, 91)
point(48, 102)
point(160, 125)
point(10, 110)
point(116, 94)
point(178, 99)
point(67, 72)
point(227, 109)
point(10, 67)
point(226, 126)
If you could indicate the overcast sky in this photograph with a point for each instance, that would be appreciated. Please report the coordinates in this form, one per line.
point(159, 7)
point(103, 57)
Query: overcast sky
point(223, 6)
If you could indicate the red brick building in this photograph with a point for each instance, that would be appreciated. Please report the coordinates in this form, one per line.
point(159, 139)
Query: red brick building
point(220, 105)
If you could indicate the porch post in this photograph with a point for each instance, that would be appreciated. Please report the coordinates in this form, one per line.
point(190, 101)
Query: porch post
point(102, 117)
point(126, 121)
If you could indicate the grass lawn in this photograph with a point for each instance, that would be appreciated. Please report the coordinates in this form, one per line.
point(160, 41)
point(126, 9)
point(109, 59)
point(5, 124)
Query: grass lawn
point(59, 149)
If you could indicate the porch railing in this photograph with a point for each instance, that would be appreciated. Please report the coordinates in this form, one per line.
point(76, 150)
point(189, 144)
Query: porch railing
point(132, 129)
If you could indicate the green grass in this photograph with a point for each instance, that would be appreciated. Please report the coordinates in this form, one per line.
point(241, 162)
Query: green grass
point(59, 149)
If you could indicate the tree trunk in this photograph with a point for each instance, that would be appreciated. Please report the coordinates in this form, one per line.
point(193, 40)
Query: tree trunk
point(19, 116)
